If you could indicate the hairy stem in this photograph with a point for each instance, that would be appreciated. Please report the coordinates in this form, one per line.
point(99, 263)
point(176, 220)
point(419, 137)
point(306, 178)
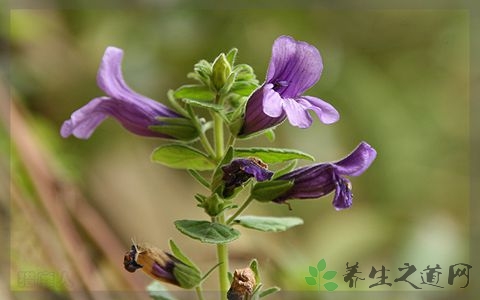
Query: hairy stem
point(222, 256)
point(203, 138)
point(239, 211)
point(199, 291)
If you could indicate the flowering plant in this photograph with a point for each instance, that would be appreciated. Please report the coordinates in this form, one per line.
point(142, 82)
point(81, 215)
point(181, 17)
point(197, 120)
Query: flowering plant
point(239, 108)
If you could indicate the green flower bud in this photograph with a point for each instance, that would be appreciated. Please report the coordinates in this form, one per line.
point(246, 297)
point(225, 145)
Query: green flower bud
point(220, 72)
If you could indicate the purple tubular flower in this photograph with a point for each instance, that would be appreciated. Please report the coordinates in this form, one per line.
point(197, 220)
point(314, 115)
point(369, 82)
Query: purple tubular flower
point(134, 111)
point(295, 66)
point(321, 179)
point(242, 169)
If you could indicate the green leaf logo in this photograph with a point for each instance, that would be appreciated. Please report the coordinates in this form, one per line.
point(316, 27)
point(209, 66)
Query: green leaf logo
point(317, 278)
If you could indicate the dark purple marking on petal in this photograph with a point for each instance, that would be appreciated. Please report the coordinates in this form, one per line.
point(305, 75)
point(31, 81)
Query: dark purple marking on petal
point(294, 66)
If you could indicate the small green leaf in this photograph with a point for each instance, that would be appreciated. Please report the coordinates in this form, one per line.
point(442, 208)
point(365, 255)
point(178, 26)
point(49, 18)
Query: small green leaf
point(243, 88)
point(197, 92)
point(207, 232)
point(321, 265)
point(187, 276)
point(269, 291)
point(284, 170)
point(158, 291)
point(311, 280)
point(201, 104)
point(330, 286)
point(231, 55)
point(275, 224)
point(273, 155)
point(179, 156)
point(254, 267)
point(313, 271)
point(179, 254)
point(266, 191)
point(270, 134)
point(329, 275)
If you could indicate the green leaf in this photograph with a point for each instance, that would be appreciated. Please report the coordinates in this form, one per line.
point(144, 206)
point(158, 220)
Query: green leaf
point(179, 156)
point(179, 254)
point(179, 128)
point(231, 55)
point(330, 286)
point(158, 291)
point(254, 267)
point(313, 271)
point(273, 155)
point(207, 232)
point(275, 224)
point(321, 265)
point(243, 88)
point(266, 191)
point(284, 170)
point(269, 291)
point(194, 91)
point(329, 275)
point(311, 280)
point(205, 105)
point(187, 276)
point(270, 134)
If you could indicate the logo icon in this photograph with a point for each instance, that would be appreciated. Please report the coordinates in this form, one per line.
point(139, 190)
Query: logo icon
point(317, 278)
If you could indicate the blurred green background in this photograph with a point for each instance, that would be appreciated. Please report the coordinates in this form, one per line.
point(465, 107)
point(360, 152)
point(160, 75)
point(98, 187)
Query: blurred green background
point(399, 78)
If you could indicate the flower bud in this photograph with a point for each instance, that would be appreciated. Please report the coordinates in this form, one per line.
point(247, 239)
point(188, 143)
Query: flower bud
point(221, 70)
point(161, 266)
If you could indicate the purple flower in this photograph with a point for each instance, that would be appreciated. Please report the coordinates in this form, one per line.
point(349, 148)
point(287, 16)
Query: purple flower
point(135, 112)
point(240, 170)
point(321, 179)
point(295, 66)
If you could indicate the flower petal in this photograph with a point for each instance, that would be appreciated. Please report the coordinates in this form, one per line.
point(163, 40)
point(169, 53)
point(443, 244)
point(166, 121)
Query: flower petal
point(110, 80)
point(296, 113)
point(309, 182)
point(240, 170)
point(356, 162)
point(325, 111)
point(343, 194)
point(272, 102)
point(296, 65)
point(84, 121)
point(131, 115)
point(255, 119)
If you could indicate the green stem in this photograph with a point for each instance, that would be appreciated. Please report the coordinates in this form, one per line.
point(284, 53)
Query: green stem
point(239, 211)
point(222, 249)
point(198, 289)
point(218, 130)
point(231, 141)
point(203, 138)
point(222, 256)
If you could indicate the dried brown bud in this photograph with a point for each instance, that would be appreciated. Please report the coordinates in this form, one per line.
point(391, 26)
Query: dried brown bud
point(243, 284)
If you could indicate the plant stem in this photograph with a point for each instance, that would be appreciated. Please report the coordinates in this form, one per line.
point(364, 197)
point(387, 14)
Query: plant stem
point(198, 289)
point(239, 211)
point(222, 256)
point(203, 138)
point(222, 249)
point(218, 130)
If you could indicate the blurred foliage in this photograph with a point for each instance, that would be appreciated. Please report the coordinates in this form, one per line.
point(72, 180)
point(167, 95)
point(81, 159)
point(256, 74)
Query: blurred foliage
point(399, 78)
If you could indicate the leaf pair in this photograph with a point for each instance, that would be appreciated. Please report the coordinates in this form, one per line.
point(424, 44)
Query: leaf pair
point(215, 233)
